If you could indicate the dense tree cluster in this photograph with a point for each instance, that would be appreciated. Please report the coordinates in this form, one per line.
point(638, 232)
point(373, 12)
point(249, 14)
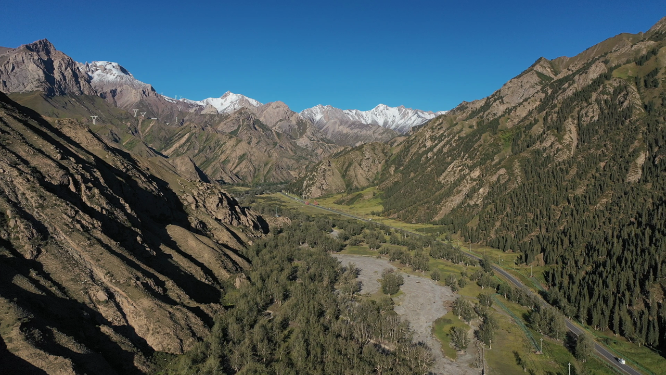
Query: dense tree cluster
point(548, 321)
point(446, 251)
point(584, 348)
point(391, 281)
point(464, 309)
point(299, 314)
point(486, 331)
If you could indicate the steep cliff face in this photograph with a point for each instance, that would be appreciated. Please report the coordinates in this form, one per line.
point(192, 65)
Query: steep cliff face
point(105, 258)
point(235, 147)
point(39, 66)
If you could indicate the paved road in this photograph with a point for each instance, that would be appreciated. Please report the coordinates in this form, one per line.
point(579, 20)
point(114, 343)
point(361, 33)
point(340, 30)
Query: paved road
point(601, 350)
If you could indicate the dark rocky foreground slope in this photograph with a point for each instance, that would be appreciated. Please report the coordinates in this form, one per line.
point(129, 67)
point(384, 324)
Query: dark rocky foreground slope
point(106, 258)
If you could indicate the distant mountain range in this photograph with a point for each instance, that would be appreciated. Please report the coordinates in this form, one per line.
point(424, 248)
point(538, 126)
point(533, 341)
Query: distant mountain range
point(227, 103)
point(268, 143)
point(327, 118)
point(399, 119)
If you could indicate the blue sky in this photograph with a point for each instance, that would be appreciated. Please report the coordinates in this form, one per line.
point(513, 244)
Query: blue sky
point(429, 55)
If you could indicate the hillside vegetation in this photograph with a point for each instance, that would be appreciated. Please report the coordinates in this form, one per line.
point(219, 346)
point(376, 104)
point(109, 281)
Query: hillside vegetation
point(564, 164)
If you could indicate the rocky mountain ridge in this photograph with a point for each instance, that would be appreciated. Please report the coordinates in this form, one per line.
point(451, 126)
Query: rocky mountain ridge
point(39, 66)
point(107, 258)
point(52, 72)
point(136, 117)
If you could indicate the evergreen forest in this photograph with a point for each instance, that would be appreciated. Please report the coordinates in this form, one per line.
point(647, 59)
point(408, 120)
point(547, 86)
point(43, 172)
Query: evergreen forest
point(577, 184)
point(299, 313)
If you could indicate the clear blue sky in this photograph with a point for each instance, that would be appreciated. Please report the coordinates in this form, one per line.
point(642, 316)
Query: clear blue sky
point(429, 55)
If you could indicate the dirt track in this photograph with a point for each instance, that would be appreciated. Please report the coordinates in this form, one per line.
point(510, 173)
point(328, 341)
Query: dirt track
point(421, 304)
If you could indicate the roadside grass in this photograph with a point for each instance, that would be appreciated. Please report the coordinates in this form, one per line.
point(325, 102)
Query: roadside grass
point(555, 355)
point(641, 357)
point(511, 351)
point(508, 261)
point(441, 328)
point(497, 256)
point(522, 273)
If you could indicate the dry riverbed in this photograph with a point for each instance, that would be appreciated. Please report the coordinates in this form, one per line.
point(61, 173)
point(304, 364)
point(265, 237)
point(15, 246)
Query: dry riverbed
point(421, 303)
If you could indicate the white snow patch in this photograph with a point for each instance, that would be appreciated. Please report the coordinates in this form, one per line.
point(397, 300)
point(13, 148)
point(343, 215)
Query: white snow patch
point(400, 119)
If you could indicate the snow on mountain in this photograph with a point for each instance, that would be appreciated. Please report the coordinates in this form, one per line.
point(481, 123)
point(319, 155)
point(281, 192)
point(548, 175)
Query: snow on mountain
point(227, 103)
point(103, 72)
point(400, 119)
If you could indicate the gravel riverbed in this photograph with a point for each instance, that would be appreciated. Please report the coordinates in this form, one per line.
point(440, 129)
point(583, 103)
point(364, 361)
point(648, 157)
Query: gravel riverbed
point(421, 303)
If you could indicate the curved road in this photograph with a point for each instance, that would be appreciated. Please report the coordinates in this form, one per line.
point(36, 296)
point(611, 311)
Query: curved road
point(601, 350)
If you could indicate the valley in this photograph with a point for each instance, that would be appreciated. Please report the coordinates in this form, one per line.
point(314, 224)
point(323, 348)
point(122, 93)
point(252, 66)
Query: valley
point(524, 232)
point(506, 264)
point(516, 347)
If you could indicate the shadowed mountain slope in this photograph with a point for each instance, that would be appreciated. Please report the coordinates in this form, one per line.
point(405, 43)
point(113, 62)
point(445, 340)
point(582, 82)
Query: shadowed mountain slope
point(106, 258)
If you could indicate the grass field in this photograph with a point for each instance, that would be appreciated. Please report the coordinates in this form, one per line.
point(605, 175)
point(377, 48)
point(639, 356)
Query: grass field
point(369, 202)
point(441, 329)
point(555, 355)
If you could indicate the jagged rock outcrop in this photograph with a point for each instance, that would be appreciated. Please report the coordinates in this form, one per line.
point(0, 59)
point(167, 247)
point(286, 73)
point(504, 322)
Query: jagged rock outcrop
point(38, 66)
point(106, 258)
point(240, 147)
point(186, 167)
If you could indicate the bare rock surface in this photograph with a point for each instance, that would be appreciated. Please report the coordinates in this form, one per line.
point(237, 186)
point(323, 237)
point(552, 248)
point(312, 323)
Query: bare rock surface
point(106, 258)
point(38, 66)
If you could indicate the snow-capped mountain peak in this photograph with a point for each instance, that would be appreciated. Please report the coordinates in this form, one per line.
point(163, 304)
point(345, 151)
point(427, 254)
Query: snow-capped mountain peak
point(101, 72)
point(400, 119)
point(227, 103)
